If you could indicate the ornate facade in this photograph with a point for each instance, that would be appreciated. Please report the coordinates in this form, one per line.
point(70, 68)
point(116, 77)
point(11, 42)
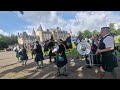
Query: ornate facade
point(41, 35)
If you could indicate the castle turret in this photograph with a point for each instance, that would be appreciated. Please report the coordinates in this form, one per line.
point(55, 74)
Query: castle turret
point(40, 28)
point(18, 35)
point(39, 33)
point(33, 33)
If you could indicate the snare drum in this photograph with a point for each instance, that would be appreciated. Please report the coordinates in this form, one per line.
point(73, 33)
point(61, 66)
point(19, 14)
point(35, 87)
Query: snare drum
point(93, 59)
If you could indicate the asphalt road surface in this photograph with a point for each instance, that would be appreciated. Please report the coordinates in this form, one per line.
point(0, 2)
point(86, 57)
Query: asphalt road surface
point(10, 68)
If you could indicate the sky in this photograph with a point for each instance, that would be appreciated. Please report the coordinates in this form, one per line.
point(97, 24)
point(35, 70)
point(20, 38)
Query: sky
point(14, 22)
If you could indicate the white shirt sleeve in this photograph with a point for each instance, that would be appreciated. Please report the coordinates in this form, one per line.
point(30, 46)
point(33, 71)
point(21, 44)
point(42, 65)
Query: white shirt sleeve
point(109, 41)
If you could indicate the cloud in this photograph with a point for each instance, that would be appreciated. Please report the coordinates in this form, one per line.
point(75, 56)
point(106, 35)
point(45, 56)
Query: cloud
point(4, 33)
point(91, 20)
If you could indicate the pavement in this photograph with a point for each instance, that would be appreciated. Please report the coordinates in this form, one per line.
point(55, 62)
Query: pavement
point(10, 68)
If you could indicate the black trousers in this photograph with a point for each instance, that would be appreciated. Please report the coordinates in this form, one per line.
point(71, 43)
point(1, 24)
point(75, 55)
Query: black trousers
point(51, 55)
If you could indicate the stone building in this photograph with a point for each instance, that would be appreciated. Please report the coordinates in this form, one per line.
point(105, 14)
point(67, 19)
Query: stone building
point(42, 35)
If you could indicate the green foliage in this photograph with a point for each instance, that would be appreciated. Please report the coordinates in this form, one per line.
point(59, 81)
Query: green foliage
point(87, 34)
point(118, 53)
point(80, 34)
point(73, 52)
point(112, 27)
point(7, 40)
point(119, 40)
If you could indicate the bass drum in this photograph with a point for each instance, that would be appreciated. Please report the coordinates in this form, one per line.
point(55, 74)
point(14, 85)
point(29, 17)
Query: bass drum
point(84, 48)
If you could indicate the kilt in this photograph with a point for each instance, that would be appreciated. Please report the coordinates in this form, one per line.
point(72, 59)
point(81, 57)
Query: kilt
point(23, 57)
point(17, 55)
point(61, 61)
point(109, 61)
point(38, 57)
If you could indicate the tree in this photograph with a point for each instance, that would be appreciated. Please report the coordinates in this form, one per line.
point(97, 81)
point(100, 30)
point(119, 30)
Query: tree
point(118, 31)
point(112, 27)
point(5, 41)
point(21, 12)
point(87, 34)
point(80, 35)
point(119, 40)
point(95, 32)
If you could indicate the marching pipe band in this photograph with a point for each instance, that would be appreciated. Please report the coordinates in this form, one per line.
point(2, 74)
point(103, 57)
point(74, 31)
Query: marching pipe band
point(101, 53)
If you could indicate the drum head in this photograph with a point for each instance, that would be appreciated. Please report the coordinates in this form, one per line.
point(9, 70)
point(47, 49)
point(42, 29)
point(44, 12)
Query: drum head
point(83, 48)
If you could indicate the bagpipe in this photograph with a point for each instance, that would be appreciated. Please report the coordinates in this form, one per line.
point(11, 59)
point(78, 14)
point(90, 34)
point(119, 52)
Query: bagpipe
point(59, 60)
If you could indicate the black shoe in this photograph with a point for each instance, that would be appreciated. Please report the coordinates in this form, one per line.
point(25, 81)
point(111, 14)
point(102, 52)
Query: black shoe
point(88, 66)
point(95, 65)
point(65, 75)
point(58, 74)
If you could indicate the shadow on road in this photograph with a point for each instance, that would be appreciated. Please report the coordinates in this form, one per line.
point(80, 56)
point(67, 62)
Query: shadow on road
point(75, 67)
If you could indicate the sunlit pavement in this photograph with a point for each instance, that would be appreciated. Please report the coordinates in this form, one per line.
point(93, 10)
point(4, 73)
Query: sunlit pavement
point(10, 68)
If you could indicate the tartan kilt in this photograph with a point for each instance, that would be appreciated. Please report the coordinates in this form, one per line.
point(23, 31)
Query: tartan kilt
point(38, 57)
point(109, 61)
point(60, 61)
point(23, 57)
point(17, 55)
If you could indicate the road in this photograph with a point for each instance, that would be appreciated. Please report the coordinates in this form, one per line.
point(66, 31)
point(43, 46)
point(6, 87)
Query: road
point(10, 68)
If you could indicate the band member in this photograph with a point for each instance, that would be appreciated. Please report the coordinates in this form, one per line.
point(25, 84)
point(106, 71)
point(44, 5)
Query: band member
point(16, 49)
point(51, 47)
point(69, 42)
point(46, 47)
point(23, 55)
point(88, 62)
point(61, 59)
point(87, 58)
point(32, 50)
point(94, 46)
point(78, 40)
point(38, 55)
point(106, 48)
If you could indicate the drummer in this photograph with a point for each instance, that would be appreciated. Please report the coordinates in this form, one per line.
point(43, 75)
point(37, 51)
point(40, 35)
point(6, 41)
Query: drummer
point(106, 48)
point(94, 46)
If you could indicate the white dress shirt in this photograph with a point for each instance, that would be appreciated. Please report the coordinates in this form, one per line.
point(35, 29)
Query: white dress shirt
point(109, 41)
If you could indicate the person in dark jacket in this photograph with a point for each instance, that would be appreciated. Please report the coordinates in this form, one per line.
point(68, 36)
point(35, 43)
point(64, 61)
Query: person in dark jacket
point(51, 47)
point(69, 43)
point(32, 50)
point(39, 55)
point(46, 47)
point(16, 49)
point(23, 56)
point(61, 59)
